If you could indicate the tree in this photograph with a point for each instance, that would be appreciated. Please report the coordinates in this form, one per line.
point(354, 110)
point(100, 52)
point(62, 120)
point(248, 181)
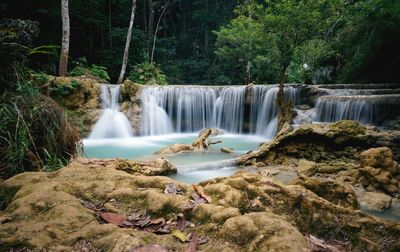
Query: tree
point(290, 24)
point(164, 8)
point(127, 45)
point(240, 43)
point(63, 67)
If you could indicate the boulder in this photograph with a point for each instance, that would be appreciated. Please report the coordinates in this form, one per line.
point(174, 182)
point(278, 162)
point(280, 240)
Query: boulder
point(380, 170)
point(375, 201)
point(129, 89)
point(156, 167)
point(227, 150)
point(263, 231)
point(318, 143)
point(335, 192)
point(378, 158)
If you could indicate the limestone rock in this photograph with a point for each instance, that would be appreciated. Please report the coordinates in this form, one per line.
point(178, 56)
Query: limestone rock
point(227, 150)
point(129, 90)
point(156, 167)
point(312, 142)
point(375, 201)
point(378, 158)
point(330, 190)
point(264, 231)
point(206, 213)
point(44, 211)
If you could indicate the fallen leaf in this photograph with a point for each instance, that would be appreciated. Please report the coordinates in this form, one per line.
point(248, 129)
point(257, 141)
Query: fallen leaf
point(197, 199)
point(180, 235)
point(148, 248)
point(92, 206)
point(157, 221)
point(172, 189)
point(154, 225)
point(193, 243)
point(200, 191)
point(180, 222)
point(113, 218)
point(128, 224)
point(143, 222)
point(199, 239)
point(166, 229)
point(134, 216)
point(202, 240)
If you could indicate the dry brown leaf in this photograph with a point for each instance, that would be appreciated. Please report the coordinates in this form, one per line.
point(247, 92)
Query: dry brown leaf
point(113, 218)
point(180, 222)
point(200, 191)
point(172, 189)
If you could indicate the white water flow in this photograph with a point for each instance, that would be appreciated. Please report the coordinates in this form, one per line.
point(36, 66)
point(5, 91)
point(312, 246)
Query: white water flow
point(189, 109)
point(358, 105)
point(113, 123)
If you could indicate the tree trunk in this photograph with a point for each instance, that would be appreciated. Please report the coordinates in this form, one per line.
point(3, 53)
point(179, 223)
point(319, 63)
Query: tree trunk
point(109, 24)
point(128, 41)
point(63, 66)
point(150, 30)
point(285, 107)
point(155, 33)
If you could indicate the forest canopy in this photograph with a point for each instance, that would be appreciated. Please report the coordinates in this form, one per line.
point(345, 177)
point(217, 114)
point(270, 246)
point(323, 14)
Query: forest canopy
point(221, 42)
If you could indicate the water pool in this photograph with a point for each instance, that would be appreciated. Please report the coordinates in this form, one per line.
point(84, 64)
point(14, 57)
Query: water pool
point(192, 167)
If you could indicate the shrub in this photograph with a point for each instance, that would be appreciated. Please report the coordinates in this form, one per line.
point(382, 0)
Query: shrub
point(83, 69)
point(65, 90)
point(148, 74)
point(34, 134)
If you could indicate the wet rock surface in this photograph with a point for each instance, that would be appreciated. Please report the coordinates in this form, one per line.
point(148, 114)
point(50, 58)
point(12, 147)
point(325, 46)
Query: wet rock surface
point(375, 201)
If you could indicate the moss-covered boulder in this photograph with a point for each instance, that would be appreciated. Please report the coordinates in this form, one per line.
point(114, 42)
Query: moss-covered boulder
point(380, 171)
point(80, 96)
point(263, 231)
point(338, 141)
point(335, 192)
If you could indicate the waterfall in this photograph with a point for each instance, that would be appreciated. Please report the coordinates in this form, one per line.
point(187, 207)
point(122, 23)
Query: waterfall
point(112, 123)
point(177, 109)
point(355, 105)
point(229, 109)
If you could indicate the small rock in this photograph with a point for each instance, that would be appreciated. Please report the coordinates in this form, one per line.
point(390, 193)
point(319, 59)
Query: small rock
point(377, 157)
point(375, 201)
point(227, 150)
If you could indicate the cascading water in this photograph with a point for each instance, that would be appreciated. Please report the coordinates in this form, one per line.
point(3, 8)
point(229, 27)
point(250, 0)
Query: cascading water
point(336, 108)
point(190, 109)
point(113, 123)
point(266, 120)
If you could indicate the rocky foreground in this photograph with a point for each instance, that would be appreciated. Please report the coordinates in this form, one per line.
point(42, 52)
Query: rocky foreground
point(122, 205)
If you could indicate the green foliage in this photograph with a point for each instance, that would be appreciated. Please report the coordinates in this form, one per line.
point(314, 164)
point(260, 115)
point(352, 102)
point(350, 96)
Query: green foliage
point(361, 39)
point(65, 90)
point(99, 71)
point(34, 133)
point(82, 68)
point(148, 74)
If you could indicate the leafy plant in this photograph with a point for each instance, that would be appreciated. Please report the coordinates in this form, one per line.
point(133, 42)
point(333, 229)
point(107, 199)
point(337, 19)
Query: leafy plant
point(65, 90)
point(82, 68)
point(149, 74)
point(99, 71)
